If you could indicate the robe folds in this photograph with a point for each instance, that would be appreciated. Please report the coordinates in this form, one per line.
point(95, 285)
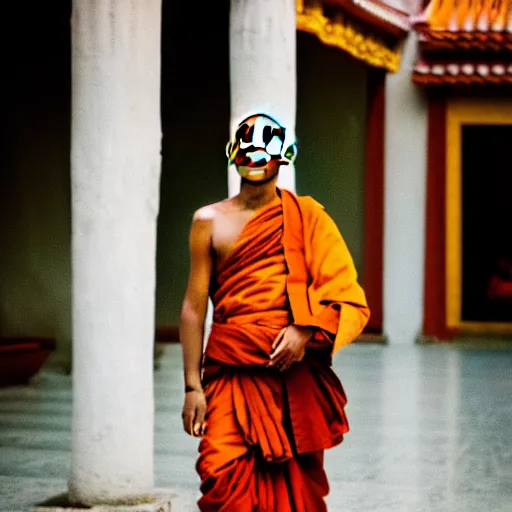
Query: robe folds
point(267, 430)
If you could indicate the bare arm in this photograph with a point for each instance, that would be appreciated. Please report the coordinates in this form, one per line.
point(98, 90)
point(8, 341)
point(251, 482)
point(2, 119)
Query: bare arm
point(193, 312)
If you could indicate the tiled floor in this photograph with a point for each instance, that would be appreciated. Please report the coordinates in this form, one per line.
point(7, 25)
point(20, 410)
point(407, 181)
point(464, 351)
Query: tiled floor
point(431, 431)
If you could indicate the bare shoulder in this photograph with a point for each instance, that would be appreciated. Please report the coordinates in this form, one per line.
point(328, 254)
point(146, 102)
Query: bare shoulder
point(208, 213)
point(202, 222)
point(203, 215)
point(207, 217)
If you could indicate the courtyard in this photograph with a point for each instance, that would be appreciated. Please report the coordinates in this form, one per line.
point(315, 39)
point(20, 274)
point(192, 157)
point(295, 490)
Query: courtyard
point(430, 431)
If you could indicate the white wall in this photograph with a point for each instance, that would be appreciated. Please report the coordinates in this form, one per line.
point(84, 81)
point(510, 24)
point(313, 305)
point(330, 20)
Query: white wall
point(404, 208)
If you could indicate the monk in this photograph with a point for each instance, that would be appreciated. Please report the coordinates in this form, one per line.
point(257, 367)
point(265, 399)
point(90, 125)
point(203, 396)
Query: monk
point(263, 396)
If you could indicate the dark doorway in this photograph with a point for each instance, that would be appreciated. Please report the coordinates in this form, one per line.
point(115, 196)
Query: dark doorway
point(486, 223)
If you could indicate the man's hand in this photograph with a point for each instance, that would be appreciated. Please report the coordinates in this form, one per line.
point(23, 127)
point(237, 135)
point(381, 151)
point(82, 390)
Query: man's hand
point(194, 411)
point(289, 346)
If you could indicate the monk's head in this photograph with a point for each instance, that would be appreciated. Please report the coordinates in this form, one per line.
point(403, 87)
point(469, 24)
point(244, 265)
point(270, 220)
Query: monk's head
point(258, 148)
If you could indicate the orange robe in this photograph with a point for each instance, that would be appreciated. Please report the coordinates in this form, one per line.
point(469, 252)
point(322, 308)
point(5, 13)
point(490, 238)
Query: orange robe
point(267, 430)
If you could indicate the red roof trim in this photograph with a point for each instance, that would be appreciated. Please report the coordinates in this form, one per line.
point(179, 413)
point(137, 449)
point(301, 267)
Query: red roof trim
point(463, 73)
point(444, 40)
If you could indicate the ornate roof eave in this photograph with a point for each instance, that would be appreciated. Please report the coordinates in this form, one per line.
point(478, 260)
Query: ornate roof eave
point(375, 13)
point(366, 29)
point(464, 43)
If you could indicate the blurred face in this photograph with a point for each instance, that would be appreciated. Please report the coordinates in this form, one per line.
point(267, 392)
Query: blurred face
point(257, 148)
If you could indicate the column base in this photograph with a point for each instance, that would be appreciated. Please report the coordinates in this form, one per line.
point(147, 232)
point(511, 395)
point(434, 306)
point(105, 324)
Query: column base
point(161, 503)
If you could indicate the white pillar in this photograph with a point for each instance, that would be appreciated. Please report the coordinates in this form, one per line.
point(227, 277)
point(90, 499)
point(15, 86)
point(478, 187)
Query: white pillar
point(263, 76)
point(262, 47)
point(115, 161)
point(405, 195)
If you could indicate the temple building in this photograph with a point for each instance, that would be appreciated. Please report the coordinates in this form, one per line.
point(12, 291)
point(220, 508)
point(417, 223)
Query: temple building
point(114, 134)
point(465, 67)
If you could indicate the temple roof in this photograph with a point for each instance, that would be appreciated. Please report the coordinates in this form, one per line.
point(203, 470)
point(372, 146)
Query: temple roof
point(468, 15)
point(465, 42)
point(369, 30)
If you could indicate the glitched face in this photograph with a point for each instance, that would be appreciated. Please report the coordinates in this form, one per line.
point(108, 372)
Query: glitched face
point(257, 148)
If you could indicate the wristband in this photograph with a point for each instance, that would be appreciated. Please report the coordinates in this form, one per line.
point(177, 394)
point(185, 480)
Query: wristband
point(188, 389)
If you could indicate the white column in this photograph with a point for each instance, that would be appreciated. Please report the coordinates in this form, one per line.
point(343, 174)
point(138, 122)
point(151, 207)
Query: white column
point(404, 209)
point(115, 161)
point(262, 47)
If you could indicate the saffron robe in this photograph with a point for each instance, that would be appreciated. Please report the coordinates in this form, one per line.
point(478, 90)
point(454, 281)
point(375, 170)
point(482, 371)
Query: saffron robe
point(267, 430)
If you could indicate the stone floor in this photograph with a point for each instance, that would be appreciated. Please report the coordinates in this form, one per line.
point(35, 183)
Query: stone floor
point(431, 431)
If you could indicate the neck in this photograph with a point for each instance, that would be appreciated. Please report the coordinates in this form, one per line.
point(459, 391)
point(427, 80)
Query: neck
point(256, 195)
